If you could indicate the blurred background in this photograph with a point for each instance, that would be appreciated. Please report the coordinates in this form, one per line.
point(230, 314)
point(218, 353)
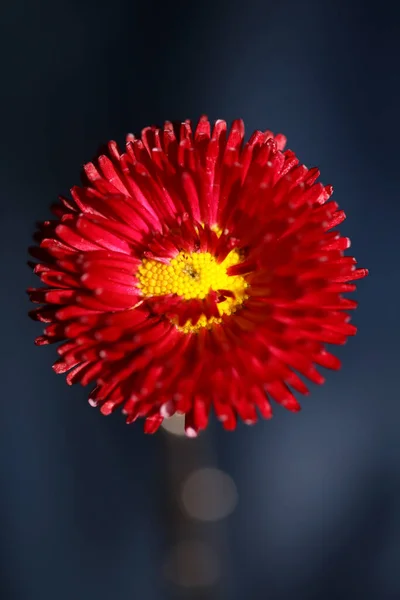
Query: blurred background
point(303, 507)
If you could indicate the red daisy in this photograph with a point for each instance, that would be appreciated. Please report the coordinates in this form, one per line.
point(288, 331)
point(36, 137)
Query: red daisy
point(195, 271)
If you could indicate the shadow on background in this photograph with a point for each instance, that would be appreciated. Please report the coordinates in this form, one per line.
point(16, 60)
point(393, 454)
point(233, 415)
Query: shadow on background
point(85, 502)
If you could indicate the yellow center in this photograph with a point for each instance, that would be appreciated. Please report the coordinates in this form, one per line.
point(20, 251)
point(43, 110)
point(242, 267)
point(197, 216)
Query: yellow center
point(193, 276)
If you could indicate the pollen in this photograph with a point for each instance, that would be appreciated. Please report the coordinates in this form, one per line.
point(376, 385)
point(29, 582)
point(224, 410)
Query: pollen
point(193, 276)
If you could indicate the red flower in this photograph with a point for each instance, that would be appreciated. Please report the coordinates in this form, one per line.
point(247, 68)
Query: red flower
point(192, 272)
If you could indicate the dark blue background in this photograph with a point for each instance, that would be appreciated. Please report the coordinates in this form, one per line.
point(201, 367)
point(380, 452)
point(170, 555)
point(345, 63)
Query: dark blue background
point(82, 503)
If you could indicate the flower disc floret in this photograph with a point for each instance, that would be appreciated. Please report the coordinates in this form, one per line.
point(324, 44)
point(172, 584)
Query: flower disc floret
point(193, 276)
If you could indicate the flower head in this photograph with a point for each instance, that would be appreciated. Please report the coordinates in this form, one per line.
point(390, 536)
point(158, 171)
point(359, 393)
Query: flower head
point(193, 272)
